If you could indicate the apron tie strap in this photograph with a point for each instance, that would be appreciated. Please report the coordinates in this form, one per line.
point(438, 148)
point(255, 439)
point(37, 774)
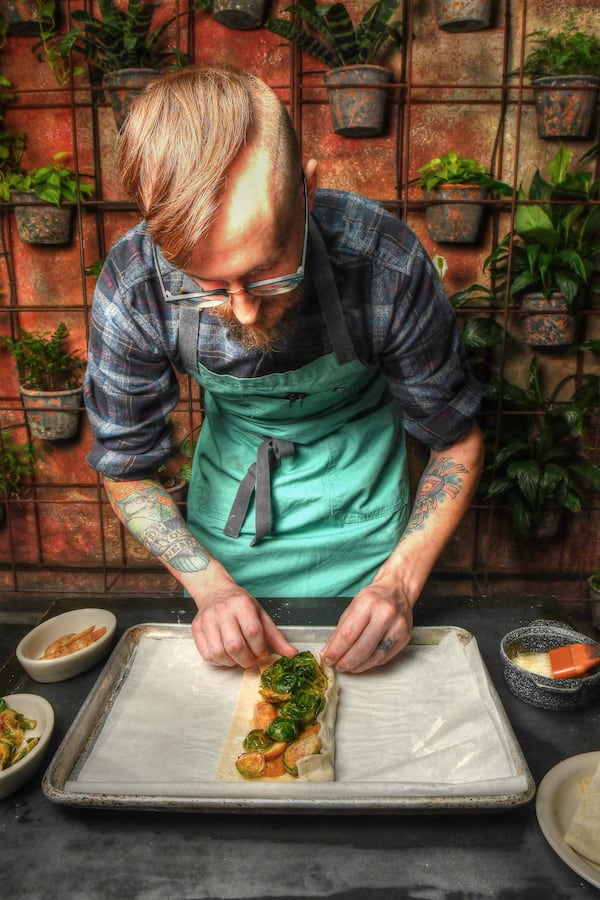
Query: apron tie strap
point(257, 480)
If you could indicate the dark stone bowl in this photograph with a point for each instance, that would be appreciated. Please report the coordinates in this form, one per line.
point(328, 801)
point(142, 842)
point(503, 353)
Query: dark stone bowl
point(547, 693)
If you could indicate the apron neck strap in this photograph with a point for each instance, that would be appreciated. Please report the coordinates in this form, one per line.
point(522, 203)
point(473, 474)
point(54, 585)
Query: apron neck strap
point(321, 275)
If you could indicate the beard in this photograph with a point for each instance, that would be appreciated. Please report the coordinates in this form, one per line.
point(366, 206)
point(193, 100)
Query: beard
point(275, 323)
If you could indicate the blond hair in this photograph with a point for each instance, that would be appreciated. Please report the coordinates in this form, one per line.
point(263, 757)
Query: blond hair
point(180, 138)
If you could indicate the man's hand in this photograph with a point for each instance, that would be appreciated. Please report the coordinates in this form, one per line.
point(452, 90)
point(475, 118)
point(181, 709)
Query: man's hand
point(232, 629)
point(372, 629)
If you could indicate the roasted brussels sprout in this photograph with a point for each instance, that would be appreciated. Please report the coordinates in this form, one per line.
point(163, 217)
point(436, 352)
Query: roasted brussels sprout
point(306, 746)
point(282, 729)
point(308, 669)
point(251, 764)
point(290, 674)
point(257, 739)
point(304, 706)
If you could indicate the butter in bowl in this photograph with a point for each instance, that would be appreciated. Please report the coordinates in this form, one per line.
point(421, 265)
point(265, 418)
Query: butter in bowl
point(67, 645)
point(540, 637)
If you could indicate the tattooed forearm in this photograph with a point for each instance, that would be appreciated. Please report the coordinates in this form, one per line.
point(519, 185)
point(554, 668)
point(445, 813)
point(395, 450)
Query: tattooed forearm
point(151, 518)
point(441, 480)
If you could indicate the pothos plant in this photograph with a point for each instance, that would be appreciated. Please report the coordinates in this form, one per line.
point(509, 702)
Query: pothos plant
point(451, 168)
point(55, 183)
point(327, 32)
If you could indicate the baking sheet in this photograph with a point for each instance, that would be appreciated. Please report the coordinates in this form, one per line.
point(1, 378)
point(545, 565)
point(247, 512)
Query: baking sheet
point(152, 729)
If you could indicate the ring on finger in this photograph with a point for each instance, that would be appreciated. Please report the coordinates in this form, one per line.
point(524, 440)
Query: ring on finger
point(386, 645)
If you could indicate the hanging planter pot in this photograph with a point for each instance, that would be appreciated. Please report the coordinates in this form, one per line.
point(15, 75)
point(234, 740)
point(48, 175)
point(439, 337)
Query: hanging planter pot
point(123, 86)
point(547, 321)
point(464, 15)
point(41, 223)
point(449, 221)
point(357, 108)
point(23, 17)
point(52, 415)
point(241, 15)
point(565, 105)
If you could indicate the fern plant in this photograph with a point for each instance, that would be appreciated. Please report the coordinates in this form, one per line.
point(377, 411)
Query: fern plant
point(566, 52)
point(16, 463)
point(327, 32)
point(44, 361)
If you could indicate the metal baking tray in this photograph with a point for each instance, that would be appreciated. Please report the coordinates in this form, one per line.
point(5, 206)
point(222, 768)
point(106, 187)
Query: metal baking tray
point(342, 797)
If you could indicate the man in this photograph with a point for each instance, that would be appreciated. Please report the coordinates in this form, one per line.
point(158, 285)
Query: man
point(319, 337)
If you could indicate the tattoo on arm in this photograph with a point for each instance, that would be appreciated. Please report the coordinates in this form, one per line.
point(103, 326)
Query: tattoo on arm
point(441, 480)
point(150, 518)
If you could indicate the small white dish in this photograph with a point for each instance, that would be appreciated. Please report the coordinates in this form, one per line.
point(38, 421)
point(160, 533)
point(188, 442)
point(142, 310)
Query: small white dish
point(33, 707)
point(557, 799)
point(33, 645)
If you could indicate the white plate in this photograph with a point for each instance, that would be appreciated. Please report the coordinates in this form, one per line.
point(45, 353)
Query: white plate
point(557, 799)
point(37, 708)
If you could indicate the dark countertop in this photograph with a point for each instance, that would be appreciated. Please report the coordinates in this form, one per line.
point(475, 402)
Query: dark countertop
point(55, 851)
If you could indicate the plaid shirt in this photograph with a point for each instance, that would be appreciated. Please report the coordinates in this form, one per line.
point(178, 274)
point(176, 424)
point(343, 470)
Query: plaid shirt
point(395, 309)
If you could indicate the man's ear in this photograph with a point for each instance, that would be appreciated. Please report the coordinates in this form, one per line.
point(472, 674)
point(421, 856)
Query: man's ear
point(310, 173)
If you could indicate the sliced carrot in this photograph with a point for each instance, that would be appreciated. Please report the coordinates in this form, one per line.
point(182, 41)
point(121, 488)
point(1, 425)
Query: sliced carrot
point(264, 713)
point(310, 729)
point(274, 767)
point(275, 750)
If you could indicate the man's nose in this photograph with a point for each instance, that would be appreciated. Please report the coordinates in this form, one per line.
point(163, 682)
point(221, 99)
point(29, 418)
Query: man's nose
point(244, 306)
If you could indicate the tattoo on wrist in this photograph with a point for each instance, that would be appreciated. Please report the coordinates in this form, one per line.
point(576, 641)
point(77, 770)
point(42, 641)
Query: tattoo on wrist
point(440, 481)
point(150, 518)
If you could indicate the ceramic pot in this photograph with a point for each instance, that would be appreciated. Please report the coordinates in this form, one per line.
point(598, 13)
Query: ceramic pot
point(22, 17)
point(449, 221)
point(356, 104)
point(565, 106)
point(123, 86)
point(464, 15)
point(594, 601)
point(42, 223)
point(52, 415)
point(547, 321)
point(239, 14)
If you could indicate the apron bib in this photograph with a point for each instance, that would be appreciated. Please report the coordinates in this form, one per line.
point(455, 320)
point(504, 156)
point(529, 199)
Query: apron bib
point(299, 483)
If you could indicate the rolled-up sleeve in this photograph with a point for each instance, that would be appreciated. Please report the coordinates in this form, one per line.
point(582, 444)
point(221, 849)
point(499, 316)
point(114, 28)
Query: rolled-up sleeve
point(131, 385)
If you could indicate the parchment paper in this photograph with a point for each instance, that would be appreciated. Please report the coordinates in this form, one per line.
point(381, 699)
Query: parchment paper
point(425, 723)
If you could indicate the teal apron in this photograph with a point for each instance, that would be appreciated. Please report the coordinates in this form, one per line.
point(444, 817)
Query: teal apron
point(299, 482)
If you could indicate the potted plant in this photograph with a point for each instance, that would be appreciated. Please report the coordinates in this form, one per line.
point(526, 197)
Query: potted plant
point(464, 15)
point(358, 95)
point(565, 70)
point(239, 14)
point(594, 596)
point(16, 464)
point(56, 184)
point(548, 259)
point(12, 145)
point(536, 460)
point(51, 376)
point(121, 47)
point(457, 187)
point(26, 17)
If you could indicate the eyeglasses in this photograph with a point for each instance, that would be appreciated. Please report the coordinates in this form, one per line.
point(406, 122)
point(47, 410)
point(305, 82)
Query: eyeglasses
point(270, 287)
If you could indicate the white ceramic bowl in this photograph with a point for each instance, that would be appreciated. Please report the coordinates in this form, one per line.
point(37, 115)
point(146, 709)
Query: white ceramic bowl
point(33, 645)
point(37, 708)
